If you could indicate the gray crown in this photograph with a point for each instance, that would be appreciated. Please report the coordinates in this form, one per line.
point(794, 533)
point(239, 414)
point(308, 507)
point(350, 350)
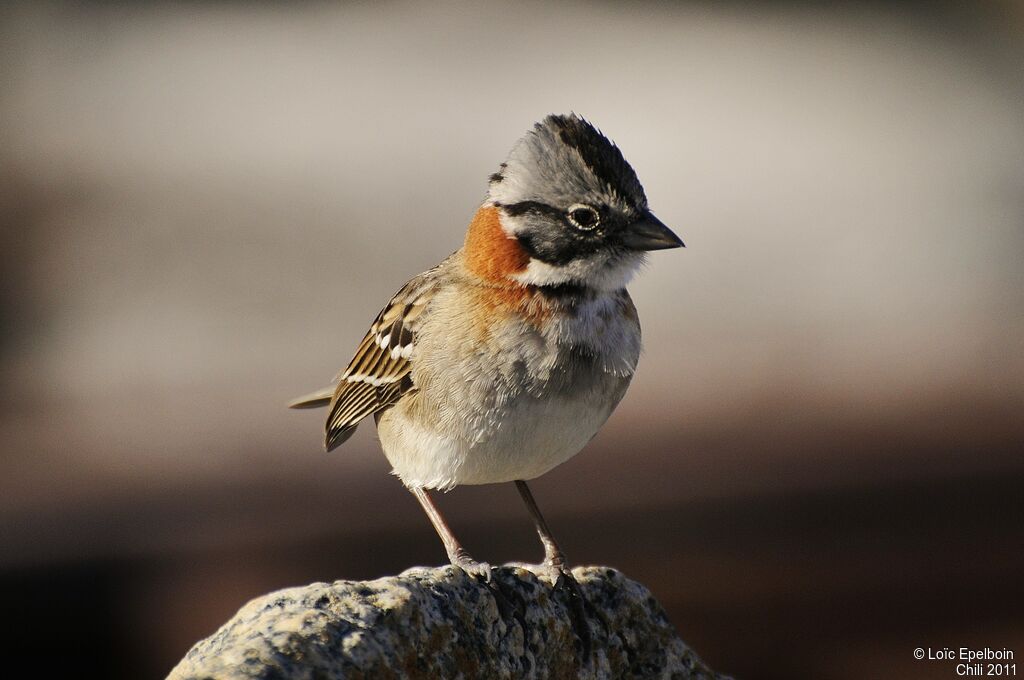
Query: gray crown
point(565, 160)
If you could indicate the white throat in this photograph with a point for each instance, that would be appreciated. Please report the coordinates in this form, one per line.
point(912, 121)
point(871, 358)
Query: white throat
point(596, 272)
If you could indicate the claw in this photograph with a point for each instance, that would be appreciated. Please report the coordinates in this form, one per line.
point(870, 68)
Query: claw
point(480, 570)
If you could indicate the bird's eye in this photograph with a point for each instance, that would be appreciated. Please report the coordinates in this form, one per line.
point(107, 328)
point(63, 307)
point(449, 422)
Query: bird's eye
point(583, 217)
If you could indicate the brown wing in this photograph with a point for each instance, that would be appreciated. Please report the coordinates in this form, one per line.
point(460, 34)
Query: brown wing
point(380, 372)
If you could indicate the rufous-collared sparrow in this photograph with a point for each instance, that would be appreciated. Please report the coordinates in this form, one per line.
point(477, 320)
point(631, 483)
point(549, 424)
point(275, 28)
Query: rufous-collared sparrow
point(504, 360)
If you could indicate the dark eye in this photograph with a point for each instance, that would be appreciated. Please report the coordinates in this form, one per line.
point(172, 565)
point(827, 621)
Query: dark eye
point(584, 217)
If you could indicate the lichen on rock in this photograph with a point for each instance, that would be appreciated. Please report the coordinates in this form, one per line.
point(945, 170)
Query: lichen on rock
point(441, 623)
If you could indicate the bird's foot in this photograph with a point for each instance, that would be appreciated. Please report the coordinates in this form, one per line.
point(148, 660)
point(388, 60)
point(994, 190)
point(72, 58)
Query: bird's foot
point(463, 561)
point(556, 569)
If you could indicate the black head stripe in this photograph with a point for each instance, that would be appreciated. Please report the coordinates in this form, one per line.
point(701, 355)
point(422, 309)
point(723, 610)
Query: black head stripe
point(555, 246)
point(552, 239)
point(602, 157)
point(536, 207)
point(553, 251)
point(498, 176)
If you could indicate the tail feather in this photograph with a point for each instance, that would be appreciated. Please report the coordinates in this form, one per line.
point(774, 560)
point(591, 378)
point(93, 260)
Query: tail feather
point(321, 397)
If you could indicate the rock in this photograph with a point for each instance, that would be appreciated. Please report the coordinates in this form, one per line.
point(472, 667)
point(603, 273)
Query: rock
point(441, 623)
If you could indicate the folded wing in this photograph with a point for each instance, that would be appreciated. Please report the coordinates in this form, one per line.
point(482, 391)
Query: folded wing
point(380, 372)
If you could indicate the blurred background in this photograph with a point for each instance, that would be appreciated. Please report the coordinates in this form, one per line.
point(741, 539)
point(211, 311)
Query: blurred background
point(203, 204)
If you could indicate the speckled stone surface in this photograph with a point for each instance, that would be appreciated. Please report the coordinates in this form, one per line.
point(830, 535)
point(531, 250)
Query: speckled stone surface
point(441, 623)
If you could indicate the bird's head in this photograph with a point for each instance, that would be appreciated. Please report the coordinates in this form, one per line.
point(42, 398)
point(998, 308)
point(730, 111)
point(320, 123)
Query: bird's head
point(570, 209)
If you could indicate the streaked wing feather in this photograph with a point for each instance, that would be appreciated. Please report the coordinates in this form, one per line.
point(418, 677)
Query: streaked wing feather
point(379, 373)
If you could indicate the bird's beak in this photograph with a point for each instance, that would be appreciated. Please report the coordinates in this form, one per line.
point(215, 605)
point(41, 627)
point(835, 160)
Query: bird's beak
point(648, 233)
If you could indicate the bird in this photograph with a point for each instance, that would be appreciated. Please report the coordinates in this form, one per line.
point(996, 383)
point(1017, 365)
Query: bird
point(505, 359)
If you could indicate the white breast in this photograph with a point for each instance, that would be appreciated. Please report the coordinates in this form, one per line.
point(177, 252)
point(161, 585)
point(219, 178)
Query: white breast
point(488, 420)
point(534, 437)
point(531, 437)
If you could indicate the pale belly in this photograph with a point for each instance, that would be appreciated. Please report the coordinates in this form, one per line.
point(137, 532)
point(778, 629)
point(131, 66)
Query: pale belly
point(527, 439)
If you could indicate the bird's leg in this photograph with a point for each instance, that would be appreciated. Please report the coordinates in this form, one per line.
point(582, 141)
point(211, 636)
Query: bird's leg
point(456, 553)
point(555, 559)
point(553, 556)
